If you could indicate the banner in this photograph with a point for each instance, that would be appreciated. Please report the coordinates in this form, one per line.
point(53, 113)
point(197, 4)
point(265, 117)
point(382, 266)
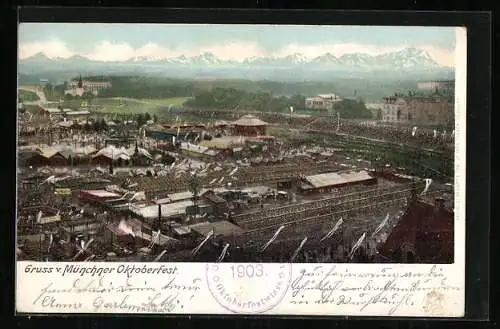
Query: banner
point(51, 219)
point(62, 191)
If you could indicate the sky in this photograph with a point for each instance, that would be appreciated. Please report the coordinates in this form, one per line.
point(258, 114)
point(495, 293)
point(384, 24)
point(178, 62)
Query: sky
point(106, 42)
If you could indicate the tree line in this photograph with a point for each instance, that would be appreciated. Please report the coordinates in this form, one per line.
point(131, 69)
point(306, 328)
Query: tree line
point(352, 109)
point(234, 99)
point(216, 97)
point(145, 87)
point(27, 96)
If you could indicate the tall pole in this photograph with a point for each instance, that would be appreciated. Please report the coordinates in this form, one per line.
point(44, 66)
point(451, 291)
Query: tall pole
point(50, 130)
point(158, 220)
point(338, 121)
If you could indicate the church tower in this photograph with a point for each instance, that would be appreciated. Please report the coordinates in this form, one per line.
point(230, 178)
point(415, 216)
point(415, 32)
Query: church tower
point(80, 82)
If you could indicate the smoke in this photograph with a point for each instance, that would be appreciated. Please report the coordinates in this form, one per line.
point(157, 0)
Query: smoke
point(125, 228)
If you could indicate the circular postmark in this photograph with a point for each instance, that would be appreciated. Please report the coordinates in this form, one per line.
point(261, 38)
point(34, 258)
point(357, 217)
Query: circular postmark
point(434, 303)
point(248, 288)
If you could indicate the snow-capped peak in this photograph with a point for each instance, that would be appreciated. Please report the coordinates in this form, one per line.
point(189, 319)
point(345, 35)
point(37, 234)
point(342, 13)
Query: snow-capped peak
point(297, 58)
point(405, 58)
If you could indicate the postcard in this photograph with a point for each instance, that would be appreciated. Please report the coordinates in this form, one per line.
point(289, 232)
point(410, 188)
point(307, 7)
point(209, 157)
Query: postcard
point(241, 169)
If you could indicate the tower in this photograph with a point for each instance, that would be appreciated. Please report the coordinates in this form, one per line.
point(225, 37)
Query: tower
point(80, 82)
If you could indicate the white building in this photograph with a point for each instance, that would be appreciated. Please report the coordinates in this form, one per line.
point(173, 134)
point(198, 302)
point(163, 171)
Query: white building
point(447, 85)
point(78, 87)
point(324, 102)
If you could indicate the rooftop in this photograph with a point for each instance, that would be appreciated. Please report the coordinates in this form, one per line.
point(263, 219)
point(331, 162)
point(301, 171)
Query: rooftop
point(161, 241)
point(212, 197)
point(201, 149)
point(423, 221)
point(329, 96)
point(174, 197)
point(114, 153)
point(167, 210)
point(48, 152)
point(182, 230)
point(220, 228)
point(249, 120)
point(338, 178)
point(224, 142)
point(101, 193)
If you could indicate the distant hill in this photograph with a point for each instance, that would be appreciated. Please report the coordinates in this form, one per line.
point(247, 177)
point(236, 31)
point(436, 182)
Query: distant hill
point(410, 63)
point(134, 86)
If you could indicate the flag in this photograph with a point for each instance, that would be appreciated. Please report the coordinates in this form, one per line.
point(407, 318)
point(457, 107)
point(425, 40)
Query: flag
point(298, 249)
point(233, 171)
point(291, 108)
point(89, 258)
point(428, 183)
point(264, 247)
point(50, 242)
point(154, 239)
point(357, 245)
point(83, 249)
point(333, 230)
point(160, 256)
point(381, 225)
point(39, 216)
point(195, 250)
point(414, 131)
point(223, 253)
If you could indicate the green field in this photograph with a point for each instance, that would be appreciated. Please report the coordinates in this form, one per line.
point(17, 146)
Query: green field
point(115, 105)
point(167, 101)
point(125, 105)
point(27, 96)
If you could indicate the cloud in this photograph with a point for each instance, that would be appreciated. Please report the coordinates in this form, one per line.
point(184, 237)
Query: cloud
point(444, 57)
point(235, 51)
point(51, 48)
point(108, 51)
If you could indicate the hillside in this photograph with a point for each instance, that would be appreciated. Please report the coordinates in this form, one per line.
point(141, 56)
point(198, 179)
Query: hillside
point(167, 87)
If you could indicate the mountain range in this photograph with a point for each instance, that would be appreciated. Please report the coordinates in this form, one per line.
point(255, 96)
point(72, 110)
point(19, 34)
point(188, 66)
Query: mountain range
point(406, 61)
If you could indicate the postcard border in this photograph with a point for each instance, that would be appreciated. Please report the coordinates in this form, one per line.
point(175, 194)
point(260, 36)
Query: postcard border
point(477, 226)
